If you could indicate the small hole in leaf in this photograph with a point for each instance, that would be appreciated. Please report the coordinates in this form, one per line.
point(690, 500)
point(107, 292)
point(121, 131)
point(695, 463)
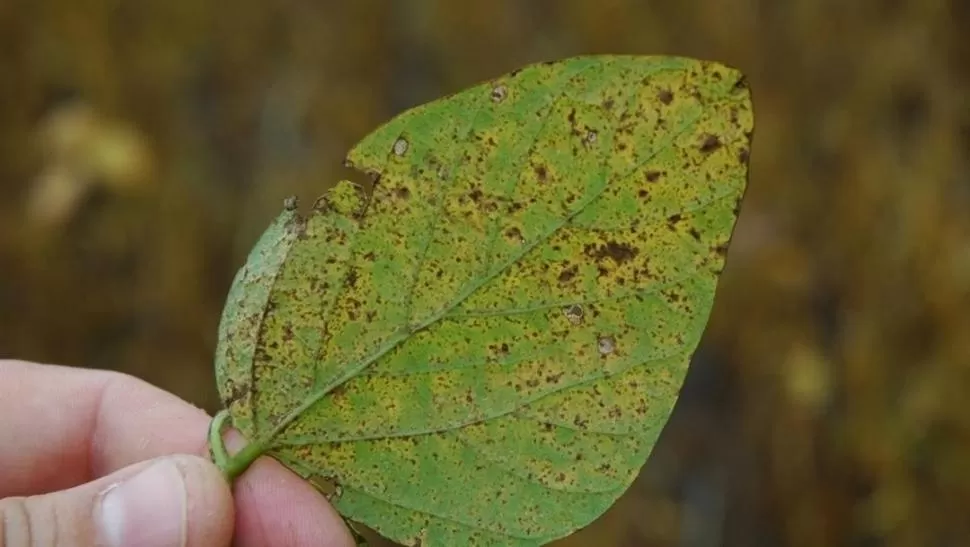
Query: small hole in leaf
point(606, 345)
point(499, 93)
point(400, 147)
point(591, 136)
point(574, 314)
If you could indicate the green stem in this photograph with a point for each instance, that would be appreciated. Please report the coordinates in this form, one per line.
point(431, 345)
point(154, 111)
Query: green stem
point(241, 461)
point(235, 465)
point(219, 455)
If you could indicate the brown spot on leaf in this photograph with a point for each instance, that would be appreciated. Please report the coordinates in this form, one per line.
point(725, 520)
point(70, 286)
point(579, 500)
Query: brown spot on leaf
point(665, 96)
point(236, 392)
point(652, 176)
point(741, 84)
point(338, 392)
point(619, 252)
point(710, 144)
point(353, 306)
point(642, 408)
point(541, 173)
point(568, 274)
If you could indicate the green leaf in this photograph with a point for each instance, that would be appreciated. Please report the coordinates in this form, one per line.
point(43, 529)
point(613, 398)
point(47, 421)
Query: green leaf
point(485, 350)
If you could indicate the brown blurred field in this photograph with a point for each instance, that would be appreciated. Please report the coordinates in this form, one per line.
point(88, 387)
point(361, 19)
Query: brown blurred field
point(144, 145)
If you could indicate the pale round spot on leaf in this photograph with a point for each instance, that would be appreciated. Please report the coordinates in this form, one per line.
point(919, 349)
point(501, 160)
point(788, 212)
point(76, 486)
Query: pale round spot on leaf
point(400, 146)
point(606, 345)
point(574, 314)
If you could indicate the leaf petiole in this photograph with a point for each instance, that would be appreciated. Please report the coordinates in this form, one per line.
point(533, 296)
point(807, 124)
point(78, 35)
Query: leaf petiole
point(235, 465)
point(219, 454)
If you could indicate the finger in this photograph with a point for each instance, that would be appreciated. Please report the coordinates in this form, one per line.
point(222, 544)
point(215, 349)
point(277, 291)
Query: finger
point(285, 499)
point(71, 425)
point(178, 501)
point(64, 426)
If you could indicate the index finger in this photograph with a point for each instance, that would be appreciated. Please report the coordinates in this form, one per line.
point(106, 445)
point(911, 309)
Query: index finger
point(64, 426)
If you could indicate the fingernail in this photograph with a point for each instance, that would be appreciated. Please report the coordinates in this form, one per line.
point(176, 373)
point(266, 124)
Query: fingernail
point(148, 509)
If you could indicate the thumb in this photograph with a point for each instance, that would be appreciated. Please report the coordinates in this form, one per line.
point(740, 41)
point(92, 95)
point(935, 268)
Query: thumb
point(175, 501)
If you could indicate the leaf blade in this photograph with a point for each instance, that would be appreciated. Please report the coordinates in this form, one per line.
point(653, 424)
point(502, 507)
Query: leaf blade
point(539, 250)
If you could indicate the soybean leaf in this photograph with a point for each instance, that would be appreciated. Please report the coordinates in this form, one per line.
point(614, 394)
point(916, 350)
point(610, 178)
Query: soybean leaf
point(484, 351)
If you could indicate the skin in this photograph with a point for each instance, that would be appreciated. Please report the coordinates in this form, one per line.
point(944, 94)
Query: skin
point(66, 434)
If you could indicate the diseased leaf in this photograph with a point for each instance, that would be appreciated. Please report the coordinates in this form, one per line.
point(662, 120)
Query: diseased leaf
point(485, 351)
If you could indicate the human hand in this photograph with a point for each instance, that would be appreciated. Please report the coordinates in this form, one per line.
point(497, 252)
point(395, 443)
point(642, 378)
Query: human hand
point(73, 471)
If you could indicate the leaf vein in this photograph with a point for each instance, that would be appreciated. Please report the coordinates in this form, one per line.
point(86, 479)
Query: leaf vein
point(506, 312)
point(432, 226)
point(262, 323)
point(597, 376)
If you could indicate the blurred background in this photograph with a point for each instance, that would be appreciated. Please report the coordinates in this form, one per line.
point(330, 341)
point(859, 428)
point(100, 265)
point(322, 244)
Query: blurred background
point(145, 145)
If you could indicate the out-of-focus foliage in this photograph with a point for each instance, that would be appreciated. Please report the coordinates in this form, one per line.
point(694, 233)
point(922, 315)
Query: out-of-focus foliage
point(144, 145)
